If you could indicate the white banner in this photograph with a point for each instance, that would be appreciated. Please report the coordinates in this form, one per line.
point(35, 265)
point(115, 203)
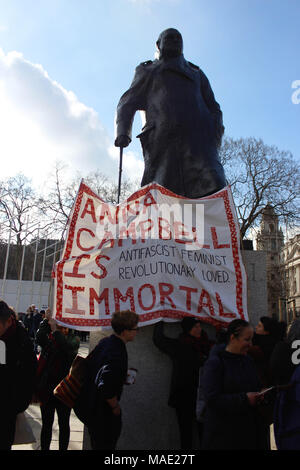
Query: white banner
point(158, 254)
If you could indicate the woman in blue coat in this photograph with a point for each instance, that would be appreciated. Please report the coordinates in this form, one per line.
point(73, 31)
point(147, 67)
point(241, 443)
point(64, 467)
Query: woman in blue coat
point(231, 390)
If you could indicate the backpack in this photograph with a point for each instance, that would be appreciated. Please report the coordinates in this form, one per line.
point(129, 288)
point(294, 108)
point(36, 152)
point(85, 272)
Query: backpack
point(76, 390)
point(69, 388)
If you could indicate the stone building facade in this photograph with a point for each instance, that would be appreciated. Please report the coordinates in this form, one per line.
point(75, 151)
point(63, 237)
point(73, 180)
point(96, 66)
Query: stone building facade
point(290, 266)
point(270, 239)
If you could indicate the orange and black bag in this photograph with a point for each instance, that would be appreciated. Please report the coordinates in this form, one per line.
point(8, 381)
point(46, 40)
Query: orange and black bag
point(68, 390)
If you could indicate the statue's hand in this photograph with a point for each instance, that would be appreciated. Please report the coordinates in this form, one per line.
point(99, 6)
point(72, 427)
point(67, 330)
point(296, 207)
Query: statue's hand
point(122, 141)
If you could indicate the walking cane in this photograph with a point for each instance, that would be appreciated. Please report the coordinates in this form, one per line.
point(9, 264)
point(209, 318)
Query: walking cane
point(120, 173)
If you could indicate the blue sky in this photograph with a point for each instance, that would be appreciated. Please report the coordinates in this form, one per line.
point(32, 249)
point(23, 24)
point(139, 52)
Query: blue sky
point(65, 63)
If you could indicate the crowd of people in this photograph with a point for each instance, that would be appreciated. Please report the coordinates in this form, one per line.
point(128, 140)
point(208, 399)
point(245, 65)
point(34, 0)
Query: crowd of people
point(248, 380)
point(235, 369)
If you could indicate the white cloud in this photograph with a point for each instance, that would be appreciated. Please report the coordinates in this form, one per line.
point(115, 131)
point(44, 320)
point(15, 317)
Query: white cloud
point(132, 165)
point(41, 122)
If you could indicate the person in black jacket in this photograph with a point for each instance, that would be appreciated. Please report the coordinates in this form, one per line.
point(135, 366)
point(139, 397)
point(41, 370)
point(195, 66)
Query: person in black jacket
point(17, 373)
point(59, 348)
point(282, 365)
point(231, 389)
point(29, 322)
point(188, 353)
point(107, 372)
point(266, 336)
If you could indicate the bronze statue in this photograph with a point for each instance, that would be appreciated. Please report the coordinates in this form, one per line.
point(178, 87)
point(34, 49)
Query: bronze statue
point(183, 128)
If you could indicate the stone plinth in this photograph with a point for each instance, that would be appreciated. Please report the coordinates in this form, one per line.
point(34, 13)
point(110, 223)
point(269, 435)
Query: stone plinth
point(256, 267)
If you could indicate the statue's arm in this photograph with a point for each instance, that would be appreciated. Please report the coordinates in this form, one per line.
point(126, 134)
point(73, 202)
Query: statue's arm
point(130, 102)
point(212, 105)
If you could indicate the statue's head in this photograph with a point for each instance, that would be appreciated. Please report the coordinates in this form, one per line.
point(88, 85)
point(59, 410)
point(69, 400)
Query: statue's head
point(169, 43)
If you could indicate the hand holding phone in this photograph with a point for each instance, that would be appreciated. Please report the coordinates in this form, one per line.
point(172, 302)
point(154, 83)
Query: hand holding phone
point(266, 390)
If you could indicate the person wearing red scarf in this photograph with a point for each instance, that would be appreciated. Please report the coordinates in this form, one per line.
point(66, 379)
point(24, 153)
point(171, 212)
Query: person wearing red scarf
point(17, 373)
point(188, 353)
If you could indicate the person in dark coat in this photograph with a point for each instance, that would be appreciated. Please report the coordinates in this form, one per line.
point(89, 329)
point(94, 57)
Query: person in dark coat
point(285, 370)
point(231, 388)
point(265, 338)
point(183, 122)
point(106, 375)
point(188, 353)
point(37, 319)
point(282, 364)
point(17, 373)
point(59, 348)
point(29, 322)
point(287, 414)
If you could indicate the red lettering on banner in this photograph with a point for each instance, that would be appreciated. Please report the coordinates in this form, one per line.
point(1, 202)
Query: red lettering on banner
point(146, 286)
point(166, 229)
point(144, 230)
point(165, 290)
point(118, 296)
point(106, 213)
point(123, 233)
point(180, 231)
point(89, 208)
point(99, 298)
point(75, 273)
point(128, 232)
point(108, 238)
point(78, 242)
point(194, 230)
point(148, 201)
point(215, 240)
point(129, 210)
point(104, 274)
point(74, 310)
point(205, 301)
point(131, 231)
point(221, 309)
point(189, 291)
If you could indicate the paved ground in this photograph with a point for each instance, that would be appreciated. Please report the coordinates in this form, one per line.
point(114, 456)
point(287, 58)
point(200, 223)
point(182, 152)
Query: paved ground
point(33, 414)
point(76, 438)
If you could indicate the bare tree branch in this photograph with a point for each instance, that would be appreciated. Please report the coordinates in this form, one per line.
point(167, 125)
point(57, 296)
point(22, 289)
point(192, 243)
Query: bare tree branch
point(260, 174)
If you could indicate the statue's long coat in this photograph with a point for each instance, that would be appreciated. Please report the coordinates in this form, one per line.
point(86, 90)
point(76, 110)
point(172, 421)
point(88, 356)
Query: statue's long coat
point(183, 126)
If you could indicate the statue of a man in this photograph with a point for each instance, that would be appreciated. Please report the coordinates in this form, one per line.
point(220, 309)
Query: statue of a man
point(183, 122)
